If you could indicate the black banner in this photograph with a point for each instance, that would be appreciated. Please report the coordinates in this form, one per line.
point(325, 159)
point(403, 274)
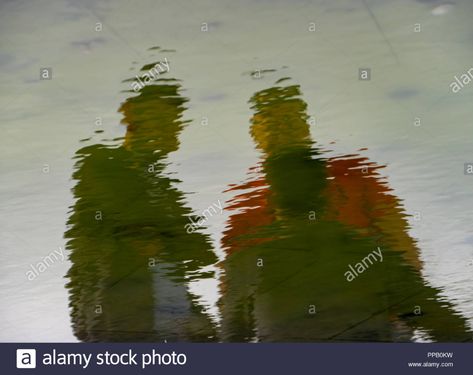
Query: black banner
point(166, 358)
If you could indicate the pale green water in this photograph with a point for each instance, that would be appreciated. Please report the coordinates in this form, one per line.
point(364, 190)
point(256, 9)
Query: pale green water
point(44, 121)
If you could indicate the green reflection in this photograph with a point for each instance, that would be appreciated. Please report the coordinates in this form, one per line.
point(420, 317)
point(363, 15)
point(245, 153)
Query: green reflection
point(298, 223)
point(131, 256)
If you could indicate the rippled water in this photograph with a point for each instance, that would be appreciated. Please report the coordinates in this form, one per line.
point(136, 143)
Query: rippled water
point(237, 196)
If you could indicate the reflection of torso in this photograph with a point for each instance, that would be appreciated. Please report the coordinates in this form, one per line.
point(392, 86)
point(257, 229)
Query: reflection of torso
point(143, 221)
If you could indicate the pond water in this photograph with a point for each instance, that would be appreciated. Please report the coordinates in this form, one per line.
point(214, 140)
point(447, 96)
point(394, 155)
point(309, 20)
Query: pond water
point(257, 191)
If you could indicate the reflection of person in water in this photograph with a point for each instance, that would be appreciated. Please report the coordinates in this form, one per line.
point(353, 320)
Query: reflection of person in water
point(298, 224)
point(131, 256)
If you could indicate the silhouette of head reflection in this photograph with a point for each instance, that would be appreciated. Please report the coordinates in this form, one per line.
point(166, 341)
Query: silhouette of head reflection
point(280, 121)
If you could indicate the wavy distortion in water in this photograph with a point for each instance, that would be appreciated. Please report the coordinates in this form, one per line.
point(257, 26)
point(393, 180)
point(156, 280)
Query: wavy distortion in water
point(295, 227)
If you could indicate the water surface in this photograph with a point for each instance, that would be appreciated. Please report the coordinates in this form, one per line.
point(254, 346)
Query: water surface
point(223, 127)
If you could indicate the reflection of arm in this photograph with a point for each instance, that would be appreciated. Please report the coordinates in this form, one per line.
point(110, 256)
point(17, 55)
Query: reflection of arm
point(251, 211)
point(359, 199)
